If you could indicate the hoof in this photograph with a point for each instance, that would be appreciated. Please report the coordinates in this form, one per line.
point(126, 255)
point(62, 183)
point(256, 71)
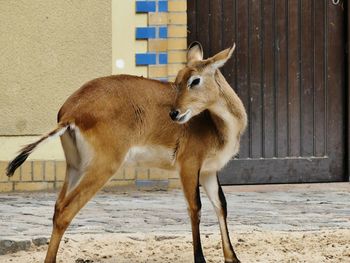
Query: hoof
point(199, 260)
point(236, 260)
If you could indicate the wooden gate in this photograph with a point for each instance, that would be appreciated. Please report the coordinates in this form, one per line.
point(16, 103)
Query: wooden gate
point(289, 70)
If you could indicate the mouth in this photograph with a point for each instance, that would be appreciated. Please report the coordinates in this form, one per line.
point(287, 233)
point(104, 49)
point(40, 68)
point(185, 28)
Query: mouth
point(184, 117)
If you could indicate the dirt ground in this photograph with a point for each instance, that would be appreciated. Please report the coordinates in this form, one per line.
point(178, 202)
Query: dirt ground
point(251, 246)
point(279, 223)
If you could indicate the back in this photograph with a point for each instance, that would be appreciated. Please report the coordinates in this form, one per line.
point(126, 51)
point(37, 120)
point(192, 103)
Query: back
point(135, 103)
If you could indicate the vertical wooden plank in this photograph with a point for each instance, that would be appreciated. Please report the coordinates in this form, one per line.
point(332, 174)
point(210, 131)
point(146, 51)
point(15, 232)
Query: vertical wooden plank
point(191, 21)
point(307, 89)
point(268, 35)
point(294, 77)
point(203, 20)
point(228, 38)
point(242, 50)
point(319, 78)
point(281, 12)
point(348, 91)
point(284, 49)
point(335, 87)
point(255, 79)
point(215, 26)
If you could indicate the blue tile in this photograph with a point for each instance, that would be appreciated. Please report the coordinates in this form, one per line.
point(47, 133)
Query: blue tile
point(145, 6)
point(145, 32)
point(163, 6)
point(163, 32)
point(163, 58)
point(146, 59)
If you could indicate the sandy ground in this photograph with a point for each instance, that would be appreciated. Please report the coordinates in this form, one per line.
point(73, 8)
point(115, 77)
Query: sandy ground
point(251, 246)
point(271, 224)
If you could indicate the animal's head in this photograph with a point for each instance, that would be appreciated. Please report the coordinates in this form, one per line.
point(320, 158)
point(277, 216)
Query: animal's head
point(197, 88)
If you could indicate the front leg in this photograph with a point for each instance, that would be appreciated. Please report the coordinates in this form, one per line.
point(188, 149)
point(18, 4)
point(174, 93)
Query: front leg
point(189, 178)
point(212, 187)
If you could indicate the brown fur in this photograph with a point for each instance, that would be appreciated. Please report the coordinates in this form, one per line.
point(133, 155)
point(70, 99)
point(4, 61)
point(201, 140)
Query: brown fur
point(108, 116)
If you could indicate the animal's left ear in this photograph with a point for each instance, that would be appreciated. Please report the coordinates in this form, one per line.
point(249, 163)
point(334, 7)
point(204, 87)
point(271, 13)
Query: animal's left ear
point(221, 58)
point(194, 52)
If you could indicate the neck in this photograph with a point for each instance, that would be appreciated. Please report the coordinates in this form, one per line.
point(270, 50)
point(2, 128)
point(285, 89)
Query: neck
point(224, 121)
point(228, 112)
point(229, 125)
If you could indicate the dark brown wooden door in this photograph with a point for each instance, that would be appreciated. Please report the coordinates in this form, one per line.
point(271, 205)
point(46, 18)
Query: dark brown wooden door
point(289, 70)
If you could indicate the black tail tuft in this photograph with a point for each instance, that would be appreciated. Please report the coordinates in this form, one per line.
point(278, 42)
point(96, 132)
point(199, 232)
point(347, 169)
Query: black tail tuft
point(17, 162)
point(28, 149)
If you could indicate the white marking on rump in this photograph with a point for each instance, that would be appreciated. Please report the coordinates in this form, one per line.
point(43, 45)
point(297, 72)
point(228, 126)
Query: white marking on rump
point(85, 151)
point(84, 148)
point(151, 156)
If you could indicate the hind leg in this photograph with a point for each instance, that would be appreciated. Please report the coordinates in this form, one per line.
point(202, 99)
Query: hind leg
point(69, 203)
point(86, 174)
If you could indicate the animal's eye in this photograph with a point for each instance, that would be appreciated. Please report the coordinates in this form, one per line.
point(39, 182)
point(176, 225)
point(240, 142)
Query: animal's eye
point(195, 82)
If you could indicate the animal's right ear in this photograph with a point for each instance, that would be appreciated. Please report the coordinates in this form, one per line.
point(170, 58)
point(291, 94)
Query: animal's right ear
point(194, 52)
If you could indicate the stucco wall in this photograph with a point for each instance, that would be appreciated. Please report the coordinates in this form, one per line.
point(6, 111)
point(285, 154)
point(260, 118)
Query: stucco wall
point(48, 49)
point(124, 44)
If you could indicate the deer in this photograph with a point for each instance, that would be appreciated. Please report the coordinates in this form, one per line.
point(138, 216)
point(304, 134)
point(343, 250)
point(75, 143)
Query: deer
point(192, 125)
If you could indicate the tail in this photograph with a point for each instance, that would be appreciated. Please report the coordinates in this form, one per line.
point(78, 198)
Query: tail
point(28, 149)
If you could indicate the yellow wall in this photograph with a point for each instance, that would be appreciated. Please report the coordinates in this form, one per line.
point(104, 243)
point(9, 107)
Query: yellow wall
point(124, 22)
point(48, 49)
point(50, 150)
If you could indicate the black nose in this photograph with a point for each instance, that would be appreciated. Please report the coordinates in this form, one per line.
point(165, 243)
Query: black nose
point(173, 114)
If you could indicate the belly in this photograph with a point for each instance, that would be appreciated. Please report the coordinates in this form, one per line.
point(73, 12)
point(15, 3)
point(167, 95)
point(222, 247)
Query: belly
point(151, 156)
